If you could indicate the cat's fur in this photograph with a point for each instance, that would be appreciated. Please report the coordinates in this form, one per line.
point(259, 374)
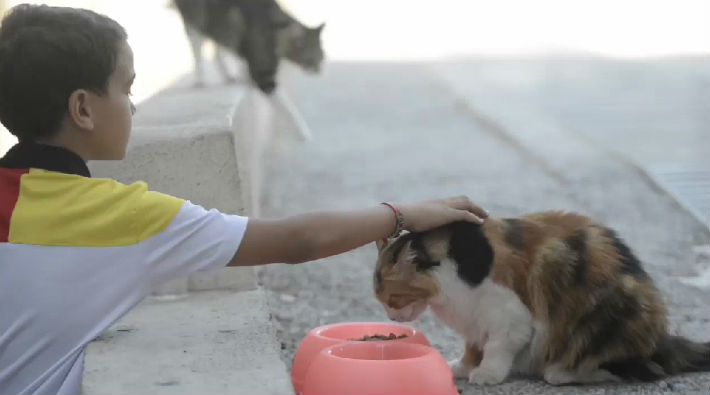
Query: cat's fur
point(258, 31)
point(549, 294)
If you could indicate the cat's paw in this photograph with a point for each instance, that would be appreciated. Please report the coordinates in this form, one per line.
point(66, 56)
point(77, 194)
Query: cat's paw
point(482, 376)
point(460, 370)
point(558, 376)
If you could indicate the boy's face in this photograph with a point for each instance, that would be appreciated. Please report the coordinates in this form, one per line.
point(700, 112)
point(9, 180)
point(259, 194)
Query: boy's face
point(113, 111)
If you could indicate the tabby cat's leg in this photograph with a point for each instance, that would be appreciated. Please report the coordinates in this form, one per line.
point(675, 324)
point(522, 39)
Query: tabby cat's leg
point(243, 70)
point(196, 40)
point(260, 53)
point(471, 358)
point(219, 56)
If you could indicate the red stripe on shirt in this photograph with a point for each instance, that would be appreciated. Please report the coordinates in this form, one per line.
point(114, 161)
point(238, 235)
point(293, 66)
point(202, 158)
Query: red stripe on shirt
point(9, 192)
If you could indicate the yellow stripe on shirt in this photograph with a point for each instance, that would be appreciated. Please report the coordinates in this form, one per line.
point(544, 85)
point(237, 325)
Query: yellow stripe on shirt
point(69, 210)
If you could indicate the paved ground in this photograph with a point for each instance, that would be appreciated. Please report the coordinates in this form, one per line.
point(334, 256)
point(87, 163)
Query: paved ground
point(404, 132)
point(652, 113)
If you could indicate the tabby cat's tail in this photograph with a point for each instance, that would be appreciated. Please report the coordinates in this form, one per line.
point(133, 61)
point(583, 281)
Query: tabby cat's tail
point(674, 354)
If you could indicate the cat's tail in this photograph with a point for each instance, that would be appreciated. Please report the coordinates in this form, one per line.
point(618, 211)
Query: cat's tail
point(674, 354)
point(677, 354)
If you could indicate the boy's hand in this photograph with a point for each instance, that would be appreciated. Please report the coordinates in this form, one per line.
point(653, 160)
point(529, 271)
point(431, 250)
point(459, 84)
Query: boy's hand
point(423, 216)
point(318, 235)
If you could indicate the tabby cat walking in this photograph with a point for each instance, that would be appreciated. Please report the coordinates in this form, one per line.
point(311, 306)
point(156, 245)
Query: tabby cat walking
point(258, 31)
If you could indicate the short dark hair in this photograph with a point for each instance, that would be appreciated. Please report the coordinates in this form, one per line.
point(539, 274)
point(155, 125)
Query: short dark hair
point(46, 53)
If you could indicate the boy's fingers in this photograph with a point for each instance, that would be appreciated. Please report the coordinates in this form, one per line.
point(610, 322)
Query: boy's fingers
point(478, 210)
point(469, 216)
point(464, 203)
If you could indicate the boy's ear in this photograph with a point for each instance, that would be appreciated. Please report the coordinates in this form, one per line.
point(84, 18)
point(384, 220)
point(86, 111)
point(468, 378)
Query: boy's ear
point(80, 109)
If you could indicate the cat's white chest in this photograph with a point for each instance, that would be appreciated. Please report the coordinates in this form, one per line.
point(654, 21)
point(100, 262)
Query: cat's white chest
point(476, 312)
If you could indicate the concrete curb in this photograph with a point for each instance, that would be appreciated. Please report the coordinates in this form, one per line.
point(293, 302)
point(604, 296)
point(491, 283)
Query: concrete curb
point(213, 342)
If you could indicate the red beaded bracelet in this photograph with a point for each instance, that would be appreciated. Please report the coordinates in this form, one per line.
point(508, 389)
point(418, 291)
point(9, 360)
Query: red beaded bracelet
point(400, 220)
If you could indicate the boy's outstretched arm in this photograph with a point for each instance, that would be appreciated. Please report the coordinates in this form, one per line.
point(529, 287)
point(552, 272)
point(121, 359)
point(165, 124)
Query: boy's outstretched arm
point(317, 235)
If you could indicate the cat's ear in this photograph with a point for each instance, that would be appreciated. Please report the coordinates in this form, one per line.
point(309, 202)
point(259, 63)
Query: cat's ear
point(406, 260)
point(320, 27)
point(381, 243)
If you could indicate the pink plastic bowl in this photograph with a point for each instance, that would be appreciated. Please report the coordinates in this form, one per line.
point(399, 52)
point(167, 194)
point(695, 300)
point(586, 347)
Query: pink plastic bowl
point(379, 368)
point(329, 335)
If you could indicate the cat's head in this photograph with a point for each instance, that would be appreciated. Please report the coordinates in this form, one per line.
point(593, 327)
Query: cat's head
point(402, 281)
point(302, 45)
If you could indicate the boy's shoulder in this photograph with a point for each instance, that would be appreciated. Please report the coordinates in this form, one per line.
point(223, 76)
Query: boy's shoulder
point(53, 208)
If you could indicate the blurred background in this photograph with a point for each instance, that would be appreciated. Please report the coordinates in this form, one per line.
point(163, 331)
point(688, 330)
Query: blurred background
point(632, 75)
point(396, 30)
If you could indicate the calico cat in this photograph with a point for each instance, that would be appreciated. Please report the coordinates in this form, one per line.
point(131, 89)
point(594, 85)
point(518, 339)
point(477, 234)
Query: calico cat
point(258, 31)
point(549, 294)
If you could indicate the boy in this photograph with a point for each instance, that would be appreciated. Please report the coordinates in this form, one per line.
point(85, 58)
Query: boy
point(77, 253)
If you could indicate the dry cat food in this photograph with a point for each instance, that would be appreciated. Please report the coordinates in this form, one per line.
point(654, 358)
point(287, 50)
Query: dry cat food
point(378, 337)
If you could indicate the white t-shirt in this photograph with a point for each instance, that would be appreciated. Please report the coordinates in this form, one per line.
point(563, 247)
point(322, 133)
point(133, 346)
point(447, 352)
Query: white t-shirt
point(79, 254)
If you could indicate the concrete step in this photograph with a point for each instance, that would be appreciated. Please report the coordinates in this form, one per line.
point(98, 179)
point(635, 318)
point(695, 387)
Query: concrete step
point(211, 342)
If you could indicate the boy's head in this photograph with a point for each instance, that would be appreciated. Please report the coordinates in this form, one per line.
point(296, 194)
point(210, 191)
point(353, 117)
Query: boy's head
point(65, 77)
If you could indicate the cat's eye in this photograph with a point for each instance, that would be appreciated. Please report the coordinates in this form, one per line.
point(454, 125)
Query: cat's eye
point(399, 301)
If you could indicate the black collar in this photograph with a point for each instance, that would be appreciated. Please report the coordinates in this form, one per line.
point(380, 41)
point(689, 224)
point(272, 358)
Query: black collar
point(28, 154)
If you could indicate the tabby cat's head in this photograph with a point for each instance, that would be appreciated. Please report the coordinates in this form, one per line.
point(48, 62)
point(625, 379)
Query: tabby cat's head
point(402, 281)
point(302, 45)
